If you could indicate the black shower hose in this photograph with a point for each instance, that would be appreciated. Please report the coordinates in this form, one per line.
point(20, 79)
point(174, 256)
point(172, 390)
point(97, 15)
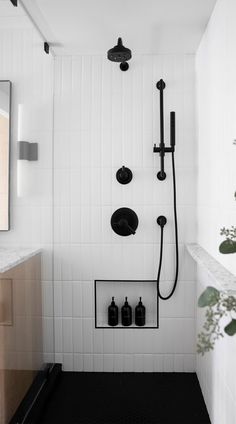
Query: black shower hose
point(176, 243)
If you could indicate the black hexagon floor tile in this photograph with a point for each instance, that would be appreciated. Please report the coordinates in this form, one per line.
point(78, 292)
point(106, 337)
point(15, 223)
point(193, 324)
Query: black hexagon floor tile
point(126, 398)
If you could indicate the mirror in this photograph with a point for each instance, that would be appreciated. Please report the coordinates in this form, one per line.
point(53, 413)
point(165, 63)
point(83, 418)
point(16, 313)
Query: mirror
point(5, 117)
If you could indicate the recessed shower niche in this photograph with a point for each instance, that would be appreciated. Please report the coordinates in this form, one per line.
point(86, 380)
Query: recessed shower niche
point(105, 290)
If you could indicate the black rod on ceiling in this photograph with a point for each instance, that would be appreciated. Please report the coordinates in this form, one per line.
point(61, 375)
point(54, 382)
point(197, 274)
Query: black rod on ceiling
point(46, 45)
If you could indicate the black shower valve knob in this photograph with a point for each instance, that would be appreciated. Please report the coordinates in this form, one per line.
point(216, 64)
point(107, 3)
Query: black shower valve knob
point(124, 175)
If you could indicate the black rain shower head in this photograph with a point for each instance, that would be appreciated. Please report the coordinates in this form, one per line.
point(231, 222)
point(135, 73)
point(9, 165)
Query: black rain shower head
point(120, 54)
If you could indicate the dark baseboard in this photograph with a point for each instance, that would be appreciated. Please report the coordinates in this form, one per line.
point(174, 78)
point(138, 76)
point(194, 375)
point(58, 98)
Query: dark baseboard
point(31, 407)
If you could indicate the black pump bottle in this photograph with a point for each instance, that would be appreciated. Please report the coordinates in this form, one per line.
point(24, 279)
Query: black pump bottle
point(126, 314)
point(140, 314)
point(113, 314)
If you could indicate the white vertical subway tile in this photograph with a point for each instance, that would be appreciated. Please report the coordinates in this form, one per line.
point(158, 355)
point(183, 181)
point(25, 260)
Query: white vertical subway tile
point(138, 363)
point(67, 335)
point(67, 299)
point(108, 344)
point(88, 363)
point(98, 363)
point(58, 335)
point(59, 358)
point(87, 335)
point(77, 299)
point(148, 363)
point(128, 362)
point(48, 339)
point(119, 341)
point(77, 335)
point(108, 363)
point(158, 365)
point(179, 363)
point(168, 363)
point(87, 299)
point(68, 364)
point(78, 362)
point(47, 298)
point(189, 363)
point(58, 298)
point(98, 345)
point(118, 363)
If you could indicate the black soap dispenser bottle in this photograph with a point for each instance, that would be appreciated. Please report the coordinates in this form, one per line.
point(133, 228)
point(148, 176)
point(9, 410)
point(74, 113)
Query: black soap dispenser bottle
point(113, 314)
point(140, 314)
point(126, 314)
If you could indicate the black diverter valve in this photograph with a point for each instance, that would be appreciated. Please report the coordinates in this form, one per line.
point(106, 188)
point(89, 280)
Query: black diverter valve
point(124, 222)
point(124, 175)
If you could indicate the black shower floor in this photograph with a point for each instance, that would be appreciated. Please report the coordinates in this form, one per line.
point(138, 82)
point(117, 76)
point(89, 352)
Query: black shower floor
point(126, 398)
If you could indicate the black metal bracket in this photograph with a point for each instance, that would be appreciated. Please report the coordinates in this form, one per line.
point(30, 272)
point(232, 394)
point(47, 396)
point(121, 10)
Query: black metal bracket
point(162, 149)
point(46, 47)
point(14, 2)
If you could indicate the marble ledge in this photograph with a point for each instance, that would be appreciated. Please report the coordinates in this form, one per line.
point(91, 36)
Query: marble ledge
point(11, 257)
point(224, 279)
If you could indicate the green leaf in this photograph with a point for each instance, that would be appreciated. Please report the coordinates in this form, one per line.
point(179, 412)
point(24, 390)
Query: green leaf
point(209, 297)
point(227, 246)
point(230, 329)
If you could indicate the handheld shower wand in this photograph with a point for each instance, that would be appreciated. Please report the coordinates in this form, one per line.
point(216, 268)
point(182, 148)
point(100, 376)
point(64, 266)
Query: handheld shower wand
point(161, 220)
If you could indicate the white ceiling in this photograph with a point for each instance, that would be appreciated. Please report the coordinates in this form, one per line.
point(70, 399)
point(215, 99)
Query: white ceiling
point(146, 26)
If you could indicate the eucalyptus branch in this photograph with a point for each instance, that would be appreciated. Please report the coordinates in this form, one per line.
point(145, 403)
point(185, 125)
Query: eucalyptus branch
point(218, 306)
point(229, 233)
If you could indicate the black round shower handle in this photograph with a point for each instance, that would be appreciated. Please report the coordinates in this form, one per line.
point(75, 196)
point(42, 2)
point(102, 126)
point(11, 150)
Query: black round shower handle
point(124, 222)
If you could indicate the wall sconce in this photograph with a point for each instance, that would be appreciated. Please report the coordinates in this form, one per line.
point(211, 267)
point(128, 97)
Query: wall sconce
point(27, 151)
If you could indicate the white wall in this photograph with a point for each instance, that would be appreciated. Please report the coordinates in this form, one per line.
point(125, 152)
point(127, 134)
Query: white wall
point(216, 370)
point(105, 119)
point(216, 93)
point(24, 62)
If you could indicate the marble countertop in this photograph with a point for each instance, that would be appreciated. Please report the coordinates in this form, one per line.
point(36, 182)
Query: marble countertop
point(10, 256)
point(223, 278)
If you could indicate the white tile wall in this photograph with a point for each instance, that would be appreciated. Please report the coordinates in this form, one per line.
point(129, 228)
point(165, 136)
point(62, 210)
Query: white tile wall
point(216, 370)
point(103, 119)
point(216, 61)
point(24, 62)
point(216, 92)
